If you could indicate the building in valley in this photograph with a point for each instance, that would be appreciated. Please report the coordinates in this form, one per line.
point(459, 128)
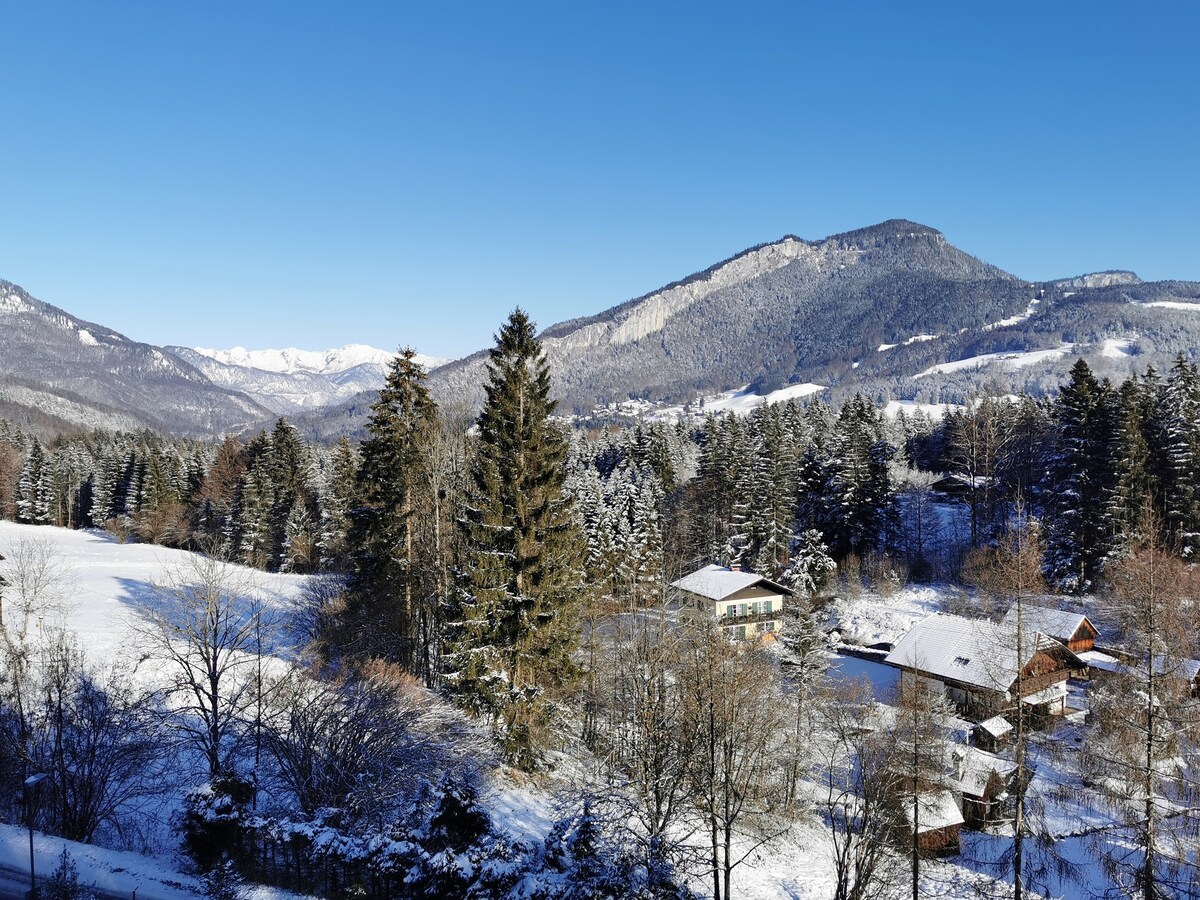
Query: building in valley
point(975, 662)
point(745, 606)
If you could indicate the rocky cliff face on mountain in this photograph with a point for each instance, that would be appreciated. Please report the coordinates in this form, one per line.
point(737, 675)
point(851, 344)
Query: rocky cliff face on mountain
point(86, 375)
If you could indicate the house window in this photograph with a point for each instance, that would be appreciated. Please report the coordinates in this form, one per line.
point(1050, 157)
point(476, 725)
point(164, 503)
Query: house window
point(741, 632)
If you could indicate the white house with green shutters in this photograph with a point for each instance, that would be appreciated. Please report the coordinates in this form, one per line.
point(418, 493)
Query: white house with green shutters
point(746, 606)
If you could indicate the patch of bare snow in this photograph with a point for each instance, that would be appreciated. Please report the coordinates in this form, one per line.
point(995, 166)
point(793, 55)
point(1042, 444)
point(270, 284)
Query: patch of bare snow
point(1174, 304)
point(1018, 318)
point(871, 619)
point(935, 411)
point(1009, 360)
point(85, 338)
point(1117, 348)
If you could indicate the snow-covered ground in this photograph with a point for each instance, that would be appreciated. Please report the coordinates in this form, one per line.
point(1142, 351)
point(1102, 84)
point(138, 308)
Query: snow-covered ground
point(915, 339)
point(1175, 304)
point(106, 587)
point(1018, 318)
point(935, 411)
point(109, 585)
point(870, 619)
point(1009, 360)
point(113, 871)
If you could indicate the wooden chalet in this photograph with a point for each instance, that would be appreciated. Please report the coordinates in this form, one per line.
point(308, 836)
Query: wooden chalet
point(975, 662)
point(1070, 628)
point(745, 606)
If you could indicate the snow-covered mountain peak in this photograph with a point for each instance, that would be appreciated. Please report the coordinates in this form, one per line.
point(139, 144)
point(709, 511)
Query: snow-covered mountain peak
point(321, 362)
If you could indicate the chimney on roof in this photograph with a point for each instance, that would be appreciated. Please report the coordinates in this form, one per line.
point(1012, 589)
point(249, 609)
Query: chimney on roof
point(735, 567)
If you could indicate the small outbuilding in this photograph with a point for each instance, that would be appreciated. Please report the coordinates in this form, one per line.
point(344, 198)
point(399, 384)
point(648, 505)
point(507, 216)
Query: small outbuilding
point(939, 821)
point(982, 780)
point(992, 734)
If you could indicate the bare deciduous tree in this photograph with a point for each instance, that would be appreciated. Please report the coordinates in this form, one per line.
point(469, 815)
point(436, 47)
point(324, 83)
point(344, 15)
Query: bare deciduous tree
point(858, 795)
point(737, 712)
point(206, 628)
point(1149, 723)
point(361, 741)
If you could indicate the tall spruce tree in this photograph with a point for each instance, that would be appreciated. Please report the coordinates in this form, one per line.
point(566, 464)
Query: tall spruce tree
point(393, 600)
point(1078, 481)
point(510, 639)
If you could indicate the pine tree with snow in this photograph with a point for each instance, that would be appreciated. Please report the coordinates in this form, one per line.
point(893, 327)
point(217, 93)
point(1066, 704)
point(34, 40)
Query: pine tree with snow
point(33, 488)
point(1181, 457)
point(511, 636)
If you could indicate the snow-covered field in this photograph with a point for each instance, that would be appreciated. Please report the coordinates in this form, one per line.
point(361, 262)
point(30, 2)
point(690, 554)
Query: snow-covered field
point(870, 619)
point(106, 587)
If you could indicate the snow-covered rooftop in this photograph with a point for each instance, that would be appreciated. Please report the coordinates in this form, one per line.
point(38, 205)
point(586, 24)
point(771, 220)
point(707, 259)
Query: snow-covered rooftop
point(973, 770)
point(935, 809)
point(1058, 623)
point(996, 726)
point(718, 582)
point(969, 651)
point(1046, 695)
point(1097, 660)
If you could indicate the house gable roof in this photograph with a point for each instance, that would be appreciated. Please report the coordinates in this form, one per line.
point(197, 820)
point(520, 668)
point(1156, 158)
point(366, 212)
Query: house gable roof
point(974, 652)
point(719, 582)
point(936, 809)
point(1058, 623)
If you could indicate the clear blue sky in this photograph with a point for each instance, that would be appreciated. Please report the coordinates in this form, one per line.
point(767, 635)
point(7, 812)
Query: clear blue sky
point(298, 174)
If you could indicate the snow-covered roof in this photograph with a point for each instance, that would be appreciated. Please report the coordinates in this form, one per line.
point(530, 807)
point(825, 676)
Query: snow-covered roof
point(973, 770)
point(1180, 668)
point(935, 809)
point(1058, 623)
point(719, 582)
point(996, 726)
point(1096, 660)
point(970, 651)
point(1046, 695)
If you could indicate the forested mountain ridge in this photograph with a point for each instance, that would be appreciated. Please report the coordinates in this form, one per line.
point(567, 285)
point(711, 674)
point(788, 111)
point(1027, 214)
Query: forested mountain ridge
point(769, 315)
point(893, 310)
point(89, 375)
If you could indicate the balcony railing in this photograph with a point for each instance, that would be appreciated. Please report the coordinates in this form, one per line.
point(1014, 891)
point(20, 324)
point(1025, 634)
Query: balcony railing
point(750, 619)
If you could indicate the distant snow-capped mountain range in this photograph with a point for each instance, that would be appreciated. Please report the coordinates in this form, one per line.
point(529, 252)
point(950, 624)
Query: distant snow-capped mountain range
point(291, 380)
point(321, 362)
